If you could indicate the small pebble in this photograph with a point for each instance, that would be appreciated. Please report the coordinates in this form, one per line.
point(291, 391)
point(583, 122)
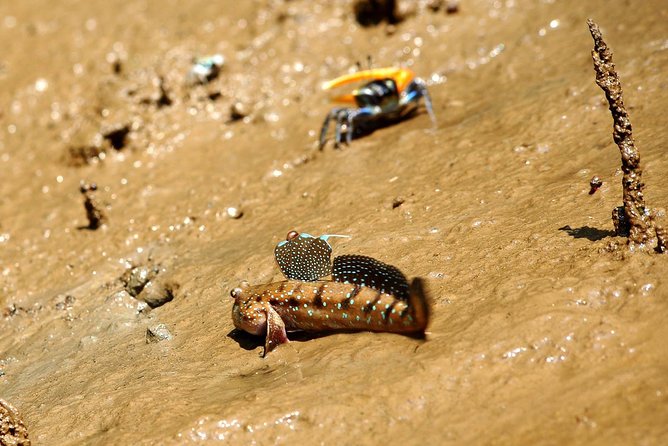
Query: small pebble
point(205, 69)
point(234, 212)
point(238, 111)
point(452, 7)
point(115, 60)
point(143, 308)
point(435, 5)
point(116, 134)
point(94, 207)
point(136, 278)
point(157, 293)
point(64, 302)
point(595, 184)
point(398, 201)
point(158, 333)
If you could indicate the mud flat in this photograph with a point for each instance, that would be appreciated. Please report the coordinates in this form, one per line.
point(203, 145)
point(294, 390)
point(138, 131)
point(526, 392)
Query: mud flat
point(538, 335)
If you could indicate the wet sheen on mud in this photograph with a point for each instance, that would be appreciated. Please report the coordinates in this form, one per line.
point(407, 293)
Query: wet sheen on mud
point(539, 333)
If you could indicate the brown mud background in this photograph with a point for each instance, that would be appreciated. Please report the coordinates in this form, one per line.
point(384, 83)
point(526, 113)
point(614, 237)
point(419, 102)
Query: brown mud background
point(540, 333)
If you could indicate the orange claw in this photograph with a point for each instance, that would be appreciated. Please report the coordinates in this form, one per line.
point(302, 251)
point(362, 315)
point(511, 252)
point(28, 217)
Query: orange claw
point(401, 76)
point(345, 98)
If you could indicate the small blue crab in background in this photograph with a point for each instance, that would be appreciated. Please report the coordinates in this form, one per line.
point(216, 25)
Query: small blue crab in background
point(205, 69)
point(391, 95)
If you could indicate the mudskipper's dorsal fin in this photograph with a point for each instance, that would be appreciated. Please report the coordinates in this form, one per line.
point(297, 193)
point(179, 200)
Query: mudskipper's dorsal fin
point(371, 273)
point(305, 257)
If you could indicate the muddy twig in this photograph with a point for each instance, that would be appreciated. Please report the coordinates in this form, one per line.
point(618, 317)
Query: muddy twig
point(633, 219)
point(94, 208)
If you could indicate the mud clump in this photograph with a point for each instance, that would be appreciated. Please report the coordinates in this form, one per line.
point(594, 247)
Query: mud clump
point(94, 208)
point(94, 141)
point(64, 302)
point(234, 212)
point(136, 279)
point(238, 111)
point(450, 6)
point(205, 70)
point(158, 333)
point(163, 99)
point(117, 135)
point(157, 293)
point(633, 220)
point(374, 12)
point(79, 156)
point(12, 310)
point(143, 283)
point(397, 201)
point(620, 222)
point(13, 431)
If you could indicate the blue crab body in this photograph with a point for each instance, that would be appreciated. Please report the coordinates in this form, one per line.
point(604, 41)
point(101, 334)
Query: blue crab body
point(391, 95)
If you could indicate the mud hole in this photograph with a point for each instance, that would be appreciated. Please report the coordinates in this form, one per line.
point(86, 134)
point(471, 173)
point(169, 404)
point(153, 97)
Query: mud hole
point(541, 334)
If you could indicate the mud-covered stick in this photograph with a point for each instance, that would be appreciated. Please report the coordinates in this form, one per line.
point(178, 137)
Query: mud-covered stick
point(634, 219)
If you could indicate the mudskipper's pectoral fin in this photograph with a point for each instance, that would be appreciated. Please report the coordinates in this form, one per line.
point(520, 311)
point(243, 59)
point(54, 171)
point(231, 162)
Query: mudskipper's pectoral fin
point(276, 334)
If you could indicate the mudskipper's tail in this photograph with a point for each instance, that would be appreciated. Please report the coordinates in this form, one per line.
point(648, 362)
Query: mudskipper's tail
point(419, 304)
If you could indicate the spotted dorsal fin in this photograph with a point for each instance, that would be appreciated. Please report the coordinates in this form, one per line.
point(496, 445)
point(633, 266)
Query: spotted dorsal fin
point(305, 257)
point(371, 273)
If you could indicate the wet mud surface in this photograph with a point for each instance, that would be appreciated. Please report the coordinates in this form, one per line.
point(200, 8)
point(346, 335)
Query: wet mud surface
point(544, 329)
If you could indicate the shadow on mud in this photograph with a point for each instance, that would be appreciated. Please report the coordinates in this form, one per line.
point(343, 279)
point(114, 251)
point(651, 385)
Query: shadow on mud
point(370, 125)
point(248, 341)
point(588, 232)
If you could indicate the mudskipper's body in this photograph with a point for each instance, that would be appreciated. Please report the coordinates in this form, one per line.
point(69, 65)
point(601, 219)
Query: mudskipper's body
point(318, 306)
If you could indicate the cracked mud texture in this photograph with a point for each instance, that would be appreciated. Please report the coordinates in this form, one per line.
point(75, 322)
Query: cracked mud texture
point(538, 336)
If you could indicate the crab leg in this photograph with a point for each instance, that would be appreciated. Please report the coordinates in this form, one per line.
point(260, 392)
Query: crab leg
point(416, 90)
point(339, 123)
point(325, 126)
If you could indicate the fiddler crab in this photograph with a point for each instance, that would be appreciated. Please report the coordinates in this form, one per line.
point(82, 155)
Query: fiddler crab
point(391, 95)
